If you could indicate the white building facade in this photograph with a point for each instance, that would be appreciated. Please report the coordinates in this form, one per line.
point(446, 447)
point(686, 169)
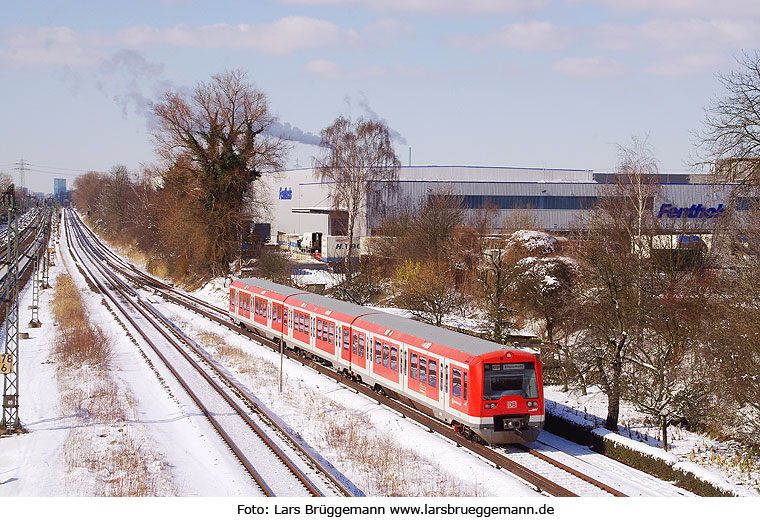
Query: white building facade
point(548, 199)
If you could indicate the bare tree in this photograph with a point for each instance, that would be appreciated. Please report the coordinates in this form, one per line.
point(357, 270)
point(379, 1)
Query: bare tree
point(612, 267)
point(731, 136)
point(220, 134)
point(497, 274)
point(115, 197)
point(427, 289)
point(87, 190)
point(359, 164)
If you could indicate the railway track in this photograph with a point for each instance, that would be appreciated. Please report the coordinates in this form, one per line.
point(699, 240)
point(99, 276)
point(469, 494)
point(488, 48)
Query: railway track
point(282, 466)
point(519, 460)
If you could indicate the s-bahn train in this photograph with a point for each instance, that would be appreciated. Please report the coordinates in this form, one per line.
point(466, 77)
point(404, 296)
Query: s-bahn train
point(477, 386)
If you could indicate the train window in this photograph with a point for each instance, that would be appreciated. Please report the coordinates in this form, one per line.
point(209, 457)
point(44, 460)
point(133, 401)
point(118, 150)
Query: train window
point(306, 324)
point(232, 298)
point(456, 383)
point(345, 338)
point(300, 322)
point(385, 354)
point(355, 344)
point(319, 328)
point(394, 358)
point(465, 386)
point(332, 330)
point(518, 379)
point(285, 316)
point(361, 345)
point(378, 352)
point(413, 367)
point(423, 370)
point(432, 373)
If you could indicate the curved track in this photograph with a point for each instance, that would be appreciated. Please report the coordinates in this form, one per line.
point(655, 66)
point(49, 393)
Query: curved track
point(519, 460)
point(293, 473)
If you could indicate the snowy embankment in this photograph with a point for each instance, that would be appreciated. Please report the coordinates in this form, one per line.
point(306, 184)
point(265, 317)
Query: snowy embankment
point(725, 466)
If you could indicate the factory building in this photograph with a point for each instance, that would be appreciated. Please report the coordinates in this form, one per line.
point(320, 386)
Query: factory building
point(552, 200)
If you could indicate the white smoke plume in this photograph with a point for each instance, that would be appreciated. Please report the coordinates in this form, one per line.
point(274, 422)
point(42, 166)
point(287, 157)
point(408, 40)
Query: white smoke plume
point(286, 131)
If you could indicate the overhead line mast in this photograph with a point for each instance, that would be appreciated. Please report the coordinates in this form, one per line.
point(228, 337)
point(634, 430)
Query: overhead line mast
point(10, 422)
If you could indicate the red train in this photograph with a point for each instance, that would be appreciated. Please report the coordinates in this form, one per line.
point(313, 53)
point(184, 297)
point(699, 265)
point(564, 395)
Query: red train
point(491, 390)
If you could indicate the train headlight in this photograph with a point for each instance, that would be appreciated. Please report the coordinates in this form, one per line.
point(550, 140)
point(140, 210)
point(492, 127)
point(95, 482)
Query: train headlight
point(490, 405)
point(533, 404)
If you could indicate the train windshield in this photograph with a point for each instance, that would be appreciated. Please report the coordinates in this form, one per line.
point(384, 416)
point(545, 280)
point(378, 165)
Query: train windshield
point(510, 379)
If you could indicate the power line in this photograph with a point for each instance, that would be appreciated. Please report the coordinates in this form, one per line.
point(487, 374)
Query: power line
point(60, 169)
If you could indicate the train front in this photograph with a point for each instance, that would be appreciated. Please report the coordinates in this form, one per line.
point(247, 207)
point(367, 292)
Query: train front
point(511, 408)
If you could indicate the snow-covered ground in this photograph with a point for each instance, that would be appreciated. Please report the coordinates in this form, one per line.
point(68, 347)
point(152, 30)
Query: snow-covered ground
point(185, 458)
point(724, 464)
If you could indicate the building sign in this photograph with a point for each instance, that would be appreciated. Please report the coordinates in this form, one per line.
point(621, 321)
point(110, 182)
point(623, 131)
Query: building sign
point(286, 194)
point(6, 363)
point(695, 211)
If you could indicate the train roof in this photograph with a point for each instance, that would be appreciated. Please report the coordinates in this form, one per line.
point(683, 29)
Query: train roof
point(328, 303)
point(445, 337)
point(438, 335)
point(269, 285)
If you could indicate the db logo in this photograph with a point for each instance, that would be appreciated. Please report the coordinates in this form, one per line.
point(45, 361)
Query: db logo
point(511, 404)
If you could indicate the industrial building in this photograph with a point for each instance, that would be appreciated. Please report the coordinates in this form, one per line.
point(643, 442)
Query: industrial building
point(547, 199)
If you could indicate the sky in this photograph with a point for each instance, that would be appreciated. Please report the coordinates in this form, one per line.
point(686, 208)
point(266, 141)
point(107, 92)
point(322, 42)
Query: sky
point(523, 83)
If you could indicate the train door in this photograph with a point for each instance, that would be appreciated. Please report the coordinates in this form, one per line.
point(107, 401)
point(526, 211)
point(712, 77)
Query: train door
point(277, 317)
point(358, 348)
point(345, 345)
point(457, 397)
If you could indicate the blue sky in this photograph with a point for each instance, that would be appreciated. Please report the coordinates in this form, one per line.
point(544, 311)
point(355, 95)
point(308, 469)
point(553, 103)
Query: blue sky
point(528, 83)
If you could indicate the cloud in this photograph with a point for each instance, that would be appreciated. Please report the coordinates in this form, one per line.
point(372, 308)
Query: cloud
point(686, 35)
point(524, 36)
point(689, 65)
point(47, 46)
point(283, 36)
point(682, 8)
point(434, 7)
point(330, 69)
point(589, 67)
point(389, 27)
